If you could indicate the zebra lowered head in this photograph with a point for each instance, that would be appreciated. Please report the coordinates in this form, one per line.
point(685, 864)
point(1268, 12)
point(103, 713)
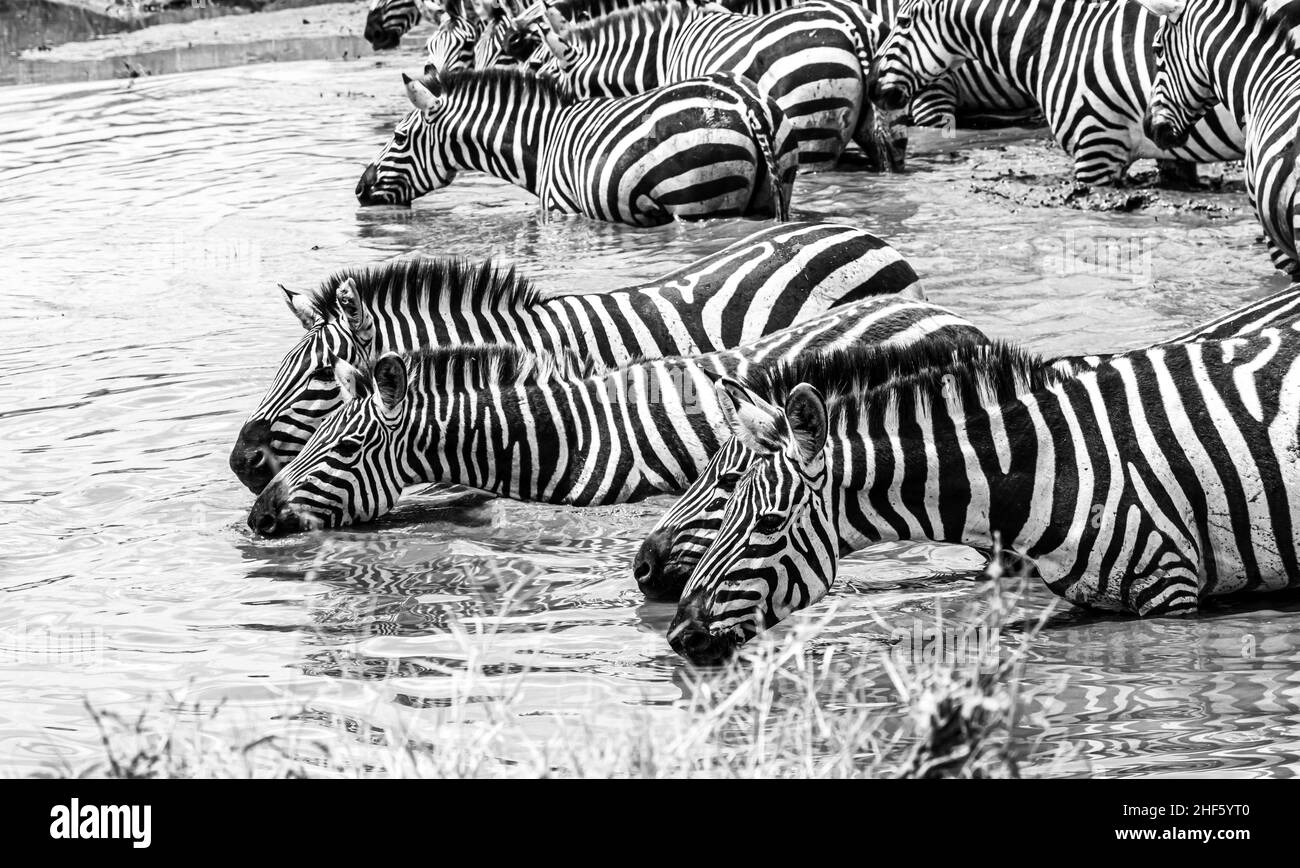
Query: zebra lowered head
point(904, 66)
point(353, 469)
point(1184, 90)
point(776, 549)
point(338, 326)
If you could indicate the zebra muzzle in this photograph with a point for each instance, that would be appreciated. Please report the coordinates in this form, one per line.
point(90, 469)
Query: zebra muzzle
point(654, 571)
point(1159, 126)
point(272, 515)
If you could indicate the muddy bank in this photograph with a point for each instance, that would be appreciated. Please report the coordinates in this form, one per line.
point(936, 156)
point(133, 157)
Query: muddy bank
point(1030, 170)
point(237, 37)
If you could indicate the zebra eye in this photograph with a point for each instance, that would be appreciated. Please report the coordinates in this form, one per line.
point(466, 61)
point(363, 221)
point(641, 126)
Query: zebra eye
point(719, 503)
point(324, 372)
point(727, 481)
point(349, 447)
point(770, 523)
point(903, 20)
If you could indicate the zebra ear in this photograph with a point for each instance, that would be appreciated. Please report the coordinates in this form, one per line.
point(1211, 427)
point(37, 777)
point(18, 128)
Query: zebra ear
point(751, 419)
point(1164, 8)
point(421, 97)
point(349, 380)
point(805, 410)
point(358, 318)
point(390, 381)
point(301, 303)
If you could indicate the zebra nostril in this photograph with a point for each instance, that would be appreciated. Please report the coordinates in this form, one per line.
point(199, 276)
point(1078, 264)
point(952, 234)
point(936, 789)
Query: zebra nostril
point(265, 524)
point(257, 459)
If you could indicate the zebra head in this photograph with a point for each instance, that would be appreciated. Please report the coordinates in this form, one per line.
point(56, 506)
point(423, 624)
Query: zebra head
point(415, 160)
point(304, 390)
point(388, 20)
point(351, 468)
point(919, 49)
point(1183, 90)
point(684, 533)
point(776, 549)
point(452, 45)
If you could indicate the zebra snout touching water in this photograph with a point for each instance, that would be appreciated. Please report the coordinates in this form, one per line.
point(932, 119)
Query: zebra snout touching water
point(1229, 54)
point(776, 277)
point(707, 147)
point(664, 562)
point(535, 426)
point(1144, 485)
point(1091, 67)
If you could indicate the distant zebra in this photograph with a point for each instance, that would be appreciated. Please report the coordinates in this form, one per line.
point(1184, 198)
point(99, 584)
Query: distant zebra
point(1227, 54)
point(687, 529)
point(1159, 478)
point(810, 59)
point(388, 20)
point(1090, 64)
point(708, 147)
point(971, 95)
point(760, 284)
point(517, 425)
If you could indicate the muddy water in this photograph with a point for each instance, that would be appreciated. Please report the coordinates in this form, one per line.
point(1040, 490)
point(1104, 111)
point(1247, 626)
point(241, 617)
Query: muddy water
point(145, 227)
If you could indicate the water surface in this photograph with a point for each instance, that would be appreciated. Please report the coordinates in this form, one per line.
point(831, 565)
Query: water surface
point(146, 224)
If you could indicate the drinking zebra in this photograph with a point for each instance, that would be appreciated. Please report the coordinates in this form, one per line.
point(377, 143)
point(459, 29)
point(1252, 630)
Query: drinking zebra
point(687, 529)
point(519, 425)
point(810, 59)
point(1090, 65)
point(760, 284)
point(707, 147)
point(1228, 54)
point(1158, 478)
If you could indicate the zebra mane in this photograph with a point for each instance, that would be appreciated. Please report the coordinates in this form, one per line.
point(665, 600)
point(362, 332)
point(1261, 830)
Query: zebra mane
point(483, 84)
point(425, 282)
point(861, 380)
point(486, 365)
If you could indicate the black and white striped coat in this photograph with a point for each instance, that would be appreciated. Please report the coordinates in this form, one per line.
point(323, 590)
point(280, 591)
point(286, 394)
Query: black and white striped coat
point(707, 147)
point(1227, 53)
point(1091, 66)
point(810, 59)
point(503, 421)
point(1144, 485)
point(690, 526)
point(776, 277)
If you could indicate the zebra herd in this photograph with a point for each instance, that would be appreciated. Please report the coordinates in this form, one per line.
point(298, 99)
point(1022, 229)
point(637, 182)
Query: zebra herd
point(796, 390)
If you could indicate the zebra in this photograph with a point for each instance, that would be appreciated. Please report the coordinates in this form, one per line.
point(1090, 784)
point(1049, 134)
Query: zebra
point(707, 147)
point(530, 427)
point(1090, 64)
point(810, 59)
point(668, 555)
point(1227, 53)
point(971, 96)
point(1158, 478)
point(388, 20)
point(763, 283)
point(452, 46)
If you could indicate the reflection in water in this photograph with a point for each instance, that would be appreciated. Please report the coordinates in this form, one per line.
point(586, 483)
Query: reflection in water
point(141, 323)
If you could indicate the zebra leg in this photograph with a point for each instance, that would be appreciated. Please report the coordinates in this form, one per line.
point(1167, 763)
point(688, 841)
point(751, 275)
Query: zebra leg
point(1101, 156)
point(1178, 175)
point(882, 139)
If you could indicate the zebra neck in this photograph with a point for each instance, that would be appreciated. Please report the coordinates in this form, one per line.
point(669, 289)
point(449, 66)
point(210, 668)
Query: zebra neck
point(961, 470)
point(509, 143)
point(1271, 72)
point(1021, 63)
point(602, 440)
